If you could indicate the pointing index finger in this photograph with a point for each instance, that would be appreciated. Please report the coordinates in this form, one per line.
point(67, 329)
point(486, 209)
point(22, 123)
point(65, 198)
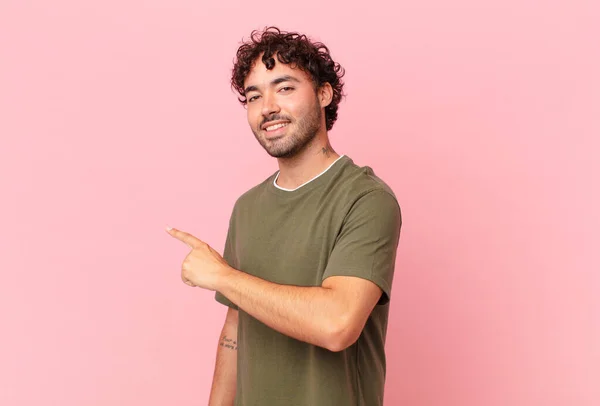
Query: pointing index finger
point(187, 238)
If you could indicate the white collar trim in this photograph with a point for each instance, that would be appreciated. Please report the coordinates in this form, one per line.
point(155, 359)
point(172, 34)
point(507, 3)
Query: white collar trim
point(305, 183)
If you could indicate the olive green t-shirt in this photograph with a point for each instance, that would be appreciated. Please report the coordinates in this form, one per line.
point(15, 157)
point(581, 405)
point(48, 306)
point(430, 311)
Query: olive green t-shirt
point(345, 222)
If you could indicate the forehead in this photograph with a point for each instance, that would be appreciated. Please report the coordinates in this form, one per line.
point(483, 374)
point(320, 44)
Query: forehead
point(260, 76)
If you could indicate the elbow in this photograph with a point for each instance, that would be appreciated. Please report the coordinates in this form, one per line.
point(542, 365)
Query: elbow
point(340, 334)
point(338, 346)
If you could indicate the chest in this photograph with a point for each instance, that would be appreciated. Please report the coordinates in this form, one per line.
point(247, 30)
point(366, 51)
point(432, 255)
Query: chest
point(288, 243)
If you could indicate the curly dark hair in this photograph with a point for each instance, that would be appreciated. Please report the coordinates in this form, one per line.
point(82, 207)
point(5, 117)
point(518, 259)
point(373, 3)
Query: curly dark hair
point(295, 49)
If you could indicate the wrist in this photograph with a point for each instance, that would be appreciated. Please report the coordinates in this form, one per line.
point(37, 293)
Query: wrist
point(224, 278)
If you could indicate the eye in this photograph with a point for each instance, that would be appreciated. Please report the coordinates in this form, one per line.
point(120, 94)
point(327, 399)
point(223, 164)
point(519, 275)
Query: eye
point(253, 98)
point(286, 89)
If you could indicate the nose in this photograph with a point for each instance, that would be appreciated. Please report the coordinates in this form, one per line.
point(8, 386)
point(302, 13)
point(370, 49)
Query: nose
point(269, 105)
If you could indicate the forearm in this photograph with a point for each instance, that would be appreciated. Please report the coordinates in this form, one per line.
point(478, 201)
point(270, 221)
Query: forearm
point(224, 380)
point(311, 314)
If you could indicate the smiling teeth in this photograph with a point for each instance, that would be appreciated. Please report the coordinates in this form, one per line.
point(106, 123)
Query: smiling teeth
point(276, 126)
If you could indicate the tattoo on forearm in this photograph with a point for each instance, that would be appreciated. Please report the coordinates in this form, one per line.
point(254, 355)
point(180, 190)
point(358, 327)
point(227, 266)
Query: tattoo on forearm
point(228, 343)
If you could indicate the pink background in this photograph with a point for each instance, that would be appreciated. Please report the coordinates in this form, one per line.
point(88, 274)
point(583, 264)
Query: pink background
point(116, 118)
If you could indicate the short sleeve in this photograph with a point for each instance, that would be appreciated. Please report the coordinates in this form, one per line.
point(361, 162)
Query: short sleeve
point(229, 256)
point(367, 242)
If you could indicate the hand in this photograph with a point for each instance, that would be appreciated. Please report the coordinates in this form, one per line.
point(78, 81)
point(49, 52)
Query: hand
point(203, 266)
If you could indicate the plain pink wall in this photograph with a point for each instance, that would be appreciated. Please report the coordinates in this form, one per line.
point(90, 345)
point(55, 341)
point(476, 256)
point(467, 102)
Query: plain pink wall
point(116, 118)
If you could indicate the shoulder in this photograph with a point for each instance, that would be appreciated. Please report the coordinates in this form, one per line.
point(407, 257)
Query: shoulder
point(360, 183)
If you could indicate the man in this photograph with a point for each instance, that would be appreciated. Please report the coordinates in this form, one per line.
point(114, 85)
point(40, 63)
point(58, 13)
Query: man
point(309, 257)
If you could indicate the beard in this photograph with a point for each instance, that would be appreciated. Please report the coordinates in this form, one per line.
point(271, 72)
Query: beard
point(299, 134)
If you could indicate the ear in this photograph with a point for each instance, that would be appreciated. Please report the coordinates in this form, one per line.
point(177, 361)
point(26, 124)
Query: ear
point(325, 94)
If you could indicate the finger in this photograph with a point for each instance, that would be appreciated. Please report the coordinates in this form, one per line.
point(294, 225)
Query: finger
point(187, 281)
point(187, 238)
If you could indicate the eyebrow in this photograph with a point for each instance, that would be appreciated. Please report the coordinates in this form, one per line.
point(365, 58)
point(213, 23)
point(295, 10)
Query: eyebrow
point(274, 82)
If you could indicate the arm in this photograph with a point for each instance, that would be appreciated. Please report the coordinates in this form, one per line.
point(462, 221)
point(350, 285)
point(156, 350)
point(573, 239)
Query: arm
point(359, 270)
point(224, 380)
point(330, 316)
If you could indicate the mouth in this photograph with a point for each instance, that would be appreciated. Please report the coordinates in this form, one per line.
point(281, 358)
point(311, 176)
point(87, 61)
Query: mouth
point(275, 129)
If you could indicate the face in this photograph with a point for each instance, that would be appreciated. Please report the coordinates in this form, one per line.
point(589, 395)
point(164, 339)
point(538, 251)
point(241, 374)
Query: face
point(284, 109)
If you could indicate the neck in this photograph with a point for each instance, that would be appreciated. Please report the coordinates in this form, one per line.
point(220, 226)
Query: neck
point(308, 163)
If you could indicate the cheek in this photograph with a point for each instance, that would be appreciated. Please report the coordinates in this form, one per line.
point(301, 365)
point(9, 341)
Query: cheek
point(301, 106)
point(251, 117)
point(298, 111)
point(291, 109)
